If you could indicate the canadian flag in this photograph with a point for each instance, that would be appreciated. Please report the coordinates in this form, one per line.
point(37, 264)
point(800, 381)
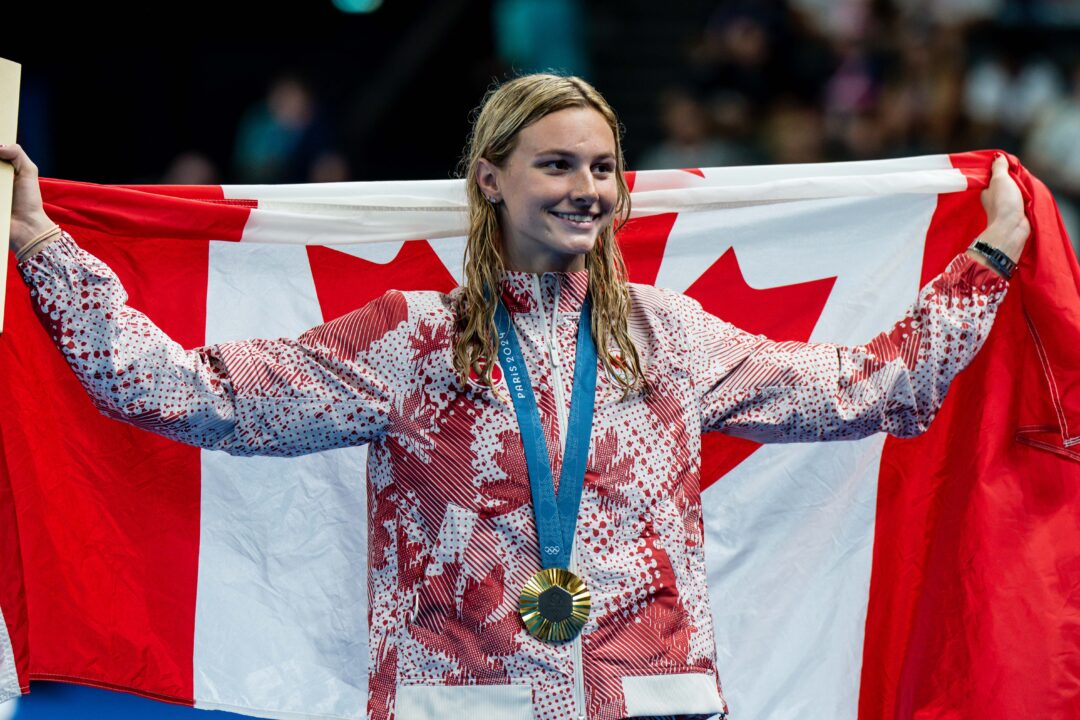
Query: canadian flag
point(934, 577)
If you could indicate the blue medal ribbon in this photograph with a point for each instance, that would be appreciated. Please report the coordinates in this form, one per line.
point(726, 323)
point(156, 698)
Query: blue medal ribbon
point(556, 517)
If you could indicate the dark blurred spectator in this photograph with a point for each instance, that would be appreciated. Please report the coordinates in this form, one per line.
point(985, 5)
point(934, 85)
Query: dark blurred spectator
point(951, 12)
point(191, 168)
point(864, 137)
point(754, 49)
point(691, 138)
point(853, 88)
point(835, 19)
point(1052, 147)
point(330, 166)
point(920, 108)
point(1052, 151)
point(1049, 12)
point(1004, 93)
point(281, 138)
point(795, 133)
point(850, 101)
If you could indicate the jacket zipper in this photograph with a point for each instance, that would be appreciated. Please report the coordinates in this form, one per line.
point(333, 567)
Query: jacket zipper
point(556, 382)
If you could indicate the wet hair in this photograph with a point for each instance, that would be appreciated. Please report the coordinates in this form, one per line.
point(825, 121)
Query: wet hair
point(505, 111)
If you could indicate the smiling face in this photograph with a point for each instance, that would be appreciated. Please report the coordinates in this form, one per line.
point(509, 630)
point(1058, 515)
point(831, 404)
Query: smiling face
point(557, 190)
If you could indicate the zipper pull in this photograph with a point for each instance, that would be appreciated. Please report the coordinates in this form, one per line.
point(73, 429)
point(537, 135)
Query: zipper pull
point(551, 353)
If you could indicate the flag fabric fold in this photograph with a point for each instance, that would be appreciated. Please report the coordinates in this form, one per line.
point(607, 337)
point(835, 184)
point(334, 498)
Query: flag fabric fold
point(926, 577)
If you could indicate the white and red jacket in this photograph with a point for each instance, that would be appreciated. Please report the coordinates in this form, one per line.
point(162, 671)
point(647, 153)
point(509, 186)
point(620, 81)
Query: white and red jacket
point(451, 531)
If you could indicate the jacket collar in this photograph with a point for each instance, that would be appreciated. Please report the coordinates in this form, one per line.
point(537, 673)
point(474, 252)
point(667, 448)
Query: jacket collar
point(519, 291)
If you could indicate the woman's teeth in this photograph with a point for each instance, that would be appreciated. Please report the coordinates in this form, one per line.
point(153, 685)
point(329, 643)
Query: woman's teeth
point(574, 218)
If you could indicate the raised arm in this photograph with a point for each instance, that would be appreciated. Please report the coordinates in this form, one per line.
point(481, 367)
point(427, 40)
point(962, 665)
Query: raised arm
point(334, 386)
point(768, 391)
point(759, 389)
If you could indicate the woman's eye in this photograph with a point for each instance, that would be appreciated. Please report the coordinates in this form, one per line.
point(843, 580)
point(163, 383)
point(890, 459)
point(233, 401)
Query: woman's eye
point(564, 165)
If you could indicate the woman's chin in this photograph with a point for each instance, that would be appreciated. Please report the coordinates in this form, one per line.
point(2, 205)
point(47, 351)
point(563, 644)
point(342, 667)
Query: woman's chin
point(579, 245)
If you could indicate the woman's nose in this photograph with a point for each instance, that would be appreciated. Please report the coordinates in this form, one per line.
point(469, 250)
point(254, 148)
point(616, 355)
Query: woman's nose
point(585, 189)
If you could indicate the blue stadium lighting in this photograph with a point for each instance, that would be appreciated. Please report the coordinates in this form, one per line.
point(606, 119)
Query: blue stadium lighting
point(357, 6)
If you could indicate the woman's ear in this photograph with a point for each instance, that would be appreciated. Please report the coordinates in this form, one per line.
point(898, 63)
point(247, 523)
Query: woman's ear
point(487, 177)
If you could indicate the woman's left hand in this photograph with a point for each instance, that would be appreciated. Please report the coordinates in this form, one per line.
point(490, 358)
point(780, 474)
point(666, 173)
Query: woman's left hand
point(1007, 225)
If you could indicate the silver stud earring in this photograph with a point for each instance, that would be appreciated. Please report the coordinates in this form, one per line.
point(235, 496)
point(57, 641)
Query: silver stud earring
point(493, 201)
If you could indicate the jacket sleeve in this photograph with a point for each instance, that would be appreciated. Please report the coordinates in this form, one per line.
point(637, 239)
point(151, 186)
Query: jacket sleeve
point(755, 388)
point(334, 386)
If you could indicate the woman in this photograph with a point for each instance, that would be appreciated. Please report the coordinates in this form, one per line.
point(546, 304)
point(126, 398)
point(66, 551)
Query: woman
point(534, 523)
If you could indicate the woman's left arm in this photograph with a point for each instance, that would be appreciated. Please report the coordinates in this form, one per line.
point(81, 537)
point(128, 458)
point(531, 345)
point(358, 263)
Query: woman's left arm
point(775, 391)
point(768, 391)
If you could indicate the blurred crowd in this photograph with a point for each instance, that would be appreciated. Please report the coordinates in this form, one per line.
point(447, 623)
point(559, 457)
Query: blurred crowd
point(794, 81)
point(718, 82)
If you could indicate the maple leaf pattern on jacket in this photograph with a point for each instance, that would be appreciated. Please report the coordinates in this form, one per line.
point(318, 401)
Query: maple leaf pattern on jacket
point(462, 633)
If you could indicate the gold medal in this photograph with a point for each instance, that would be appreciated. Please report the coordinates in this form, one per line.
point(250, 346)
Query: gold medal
point(554, 604)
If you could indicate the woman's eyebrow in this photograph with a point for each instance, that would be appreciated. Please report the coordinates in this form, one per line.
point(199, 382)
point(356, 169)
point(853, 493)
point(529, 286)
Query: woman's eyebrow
point(569, 153)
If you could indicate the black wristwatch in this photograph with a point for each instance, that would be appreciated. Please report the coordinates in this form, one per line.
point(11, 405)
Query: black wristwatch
point(997, 259)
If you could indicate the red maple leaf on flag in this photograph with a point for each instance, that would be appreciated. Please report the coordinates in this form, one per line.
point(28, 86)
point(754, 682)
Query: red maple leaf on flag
point(344, 282)
point(786, 312)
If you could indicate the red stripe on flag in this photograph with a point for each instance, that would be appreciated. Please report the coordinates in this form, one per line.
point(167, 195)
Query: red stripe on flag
point(972, 609)
point(12, 591)
point(121, 212)
point(109, 514)
point(642, 242)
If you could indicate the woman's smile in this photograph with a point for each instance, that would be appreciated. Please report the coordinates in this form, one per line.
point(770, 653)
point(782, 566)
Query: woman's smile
point(577, 220)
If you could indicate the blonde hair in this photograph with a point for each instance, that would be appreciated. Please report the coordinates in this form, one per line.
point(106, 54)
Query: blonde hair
point(505, 111)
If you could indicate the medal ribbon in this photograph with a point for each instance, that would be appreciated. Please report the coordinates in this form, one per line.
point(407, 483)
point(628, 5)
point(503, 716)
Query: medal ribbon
point(556, 517)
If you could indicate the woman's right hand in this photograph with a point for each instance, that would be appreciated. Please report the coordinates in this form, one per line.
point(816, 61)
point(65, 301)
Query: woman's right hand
point(28, 218)
point(1007, 224)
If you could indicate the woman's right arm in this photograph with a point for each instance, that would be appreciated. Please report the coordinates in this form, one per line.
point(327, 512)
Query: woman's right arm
point(334, 386)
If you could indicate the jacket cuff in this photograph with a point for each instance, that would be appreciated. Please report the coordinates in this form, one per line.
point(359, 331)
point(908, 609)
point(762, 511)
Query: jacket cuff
point(63, 245)
point(972, 272)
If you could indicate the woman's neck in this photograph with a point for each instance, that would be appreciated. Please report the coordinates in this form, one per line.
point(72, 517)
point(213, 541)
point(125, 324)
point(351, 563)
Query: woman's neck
point(546, 263)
